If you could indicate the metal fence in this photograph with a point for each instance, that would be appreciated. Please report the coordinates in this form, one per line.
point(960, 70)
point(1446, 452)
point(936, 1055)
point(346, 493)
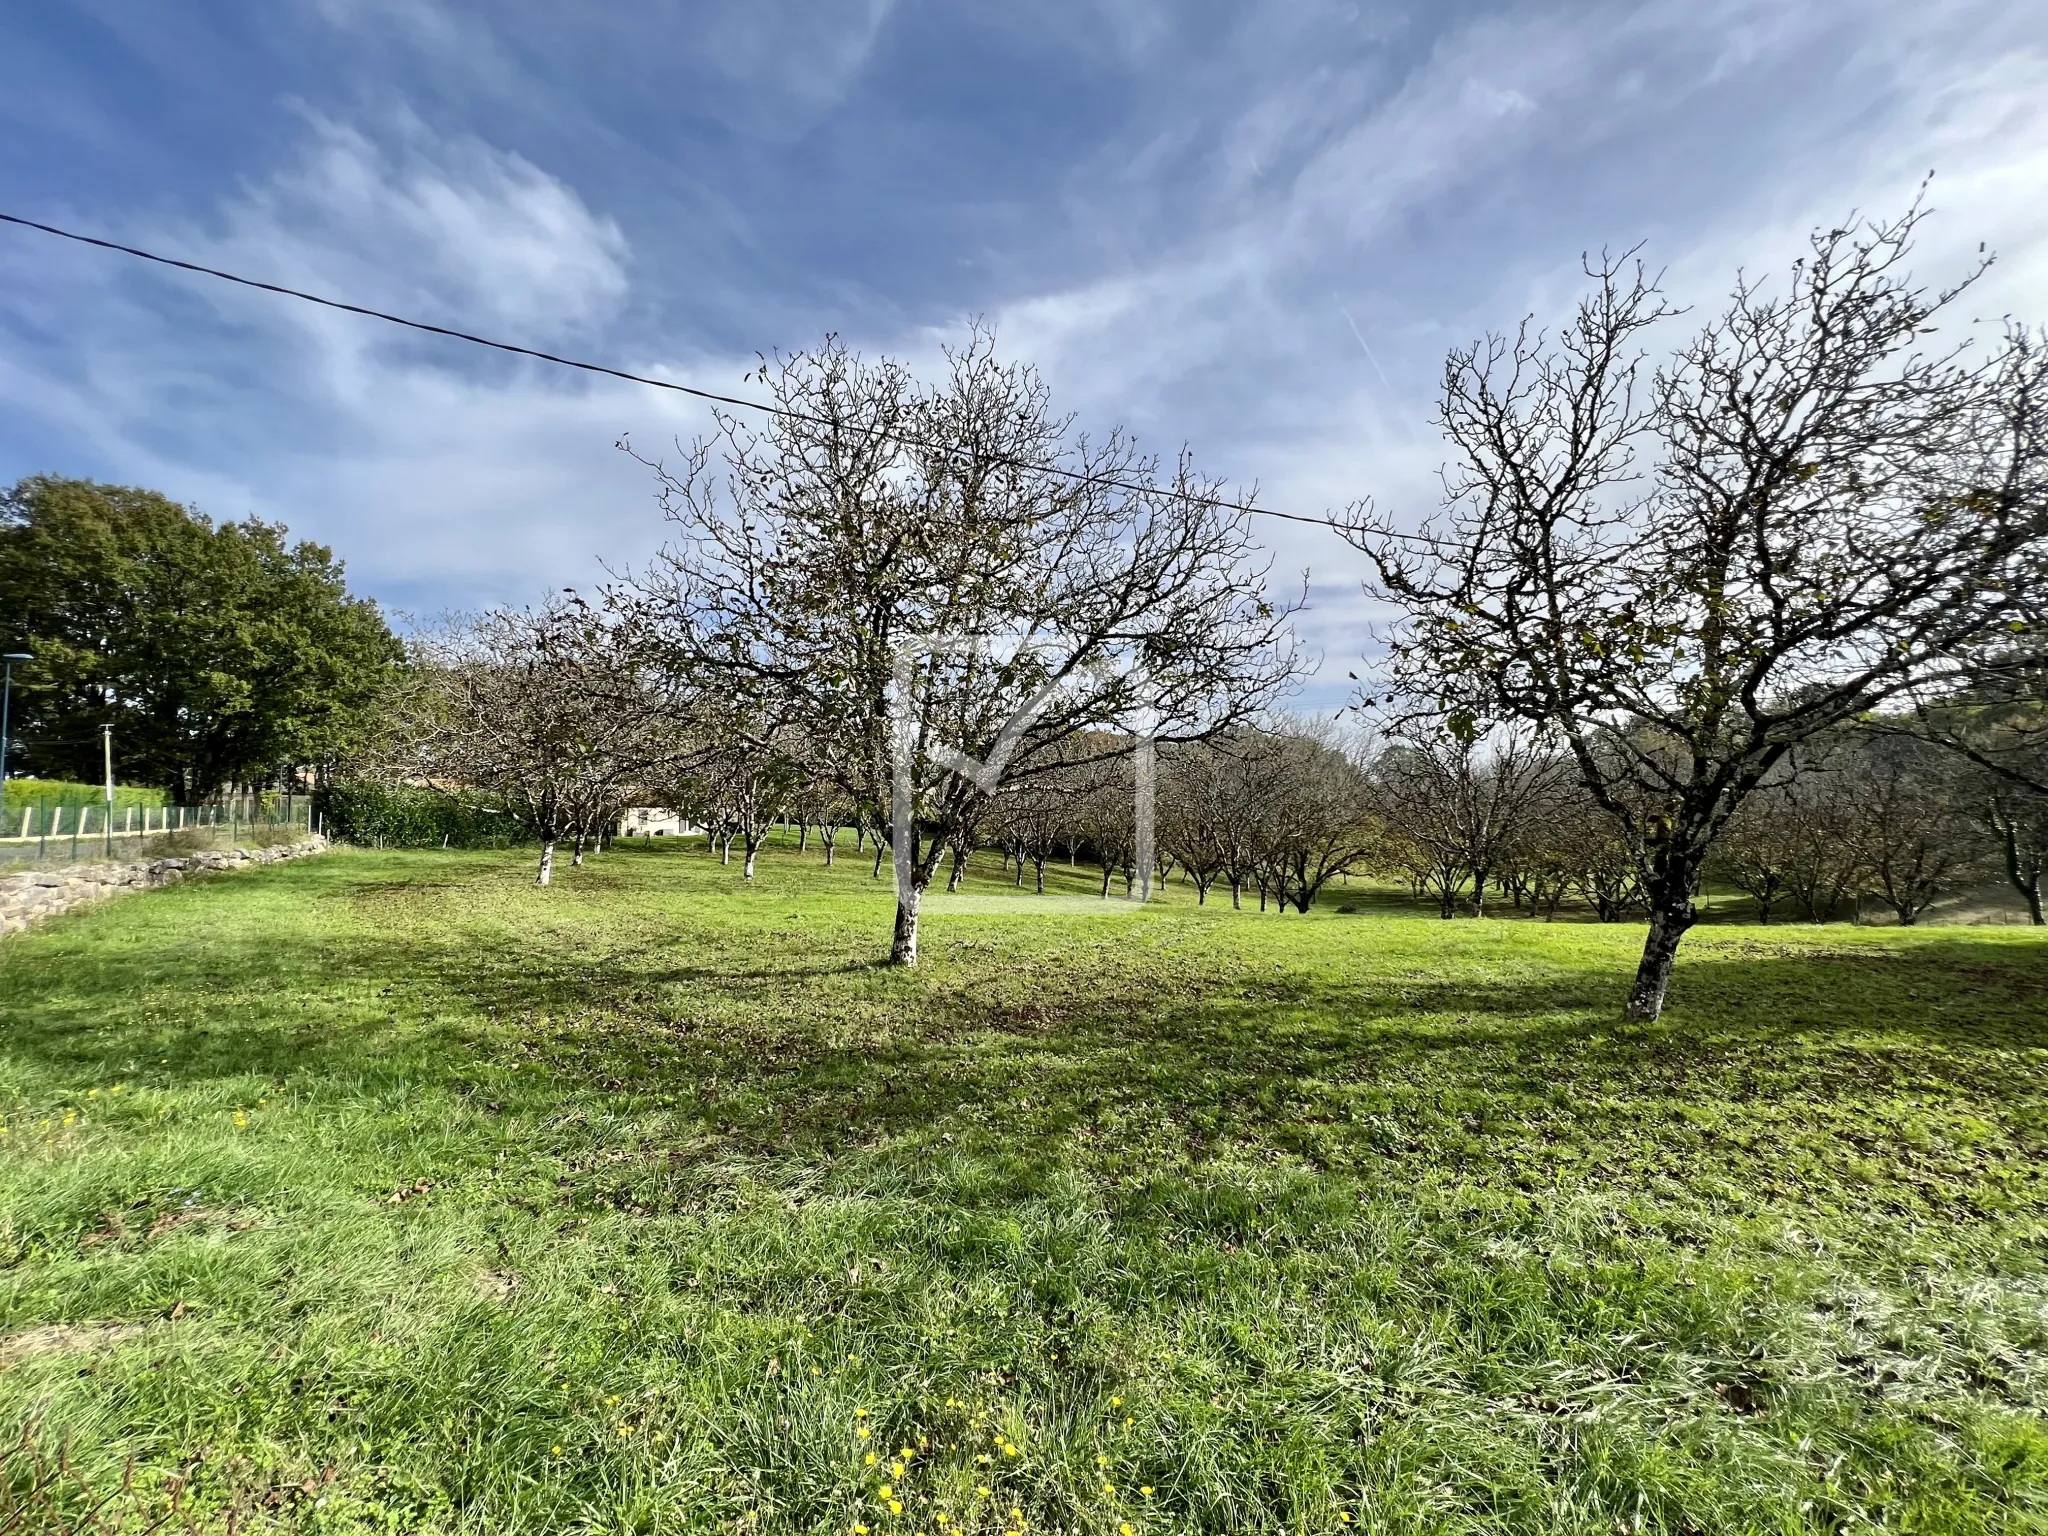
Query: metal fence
point(88, 833)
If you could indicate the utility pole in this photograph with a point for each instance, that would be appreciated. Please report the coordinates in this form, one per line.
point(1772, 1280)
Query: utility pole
point(6, 707)
point(107, 739)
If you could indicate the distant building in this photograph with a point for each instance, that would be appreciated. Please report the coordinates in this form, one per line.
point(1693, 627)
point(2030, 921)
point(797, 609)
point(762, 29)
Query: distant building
point(654, 821)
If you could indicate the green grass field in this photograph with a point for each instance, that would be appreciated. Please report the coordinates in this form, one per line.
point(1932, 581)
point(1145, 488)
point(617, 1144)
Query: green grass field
point(385, 1192)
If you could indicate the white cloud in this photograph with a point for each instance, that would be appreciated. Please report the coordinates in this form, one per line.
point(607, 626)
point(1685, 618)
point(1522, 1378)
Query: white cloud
point(1231, 335)
point(440, 473)
point(799, 50)
point(412, 221)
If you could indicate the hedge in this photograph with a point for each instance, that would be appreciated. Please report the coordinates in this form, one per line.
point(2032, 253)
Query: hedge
point(363, 812)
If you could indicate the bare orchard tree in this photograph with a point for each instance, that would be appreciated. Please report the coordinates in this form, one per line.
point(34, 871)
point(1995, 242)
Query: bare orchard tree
point(1032, 820)
point(1684, 573)
point(1196, 810)
point(1757, 851)
point(959, 559)
point(742, 773)
point(1920, 840)
point(552, 711)
point(1466, 803)
point(1320, 820)
point(2018, 819)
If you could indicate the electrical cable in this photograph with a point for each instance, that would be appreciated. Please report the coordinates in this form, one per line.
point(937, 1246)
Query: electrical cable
point(1107, 482)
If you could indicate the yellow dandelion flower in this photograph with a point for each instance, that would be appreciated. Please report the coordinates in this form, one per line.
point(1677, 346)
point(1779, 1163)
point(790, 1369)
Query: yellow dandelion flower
point(1146, 1490)
point(860, 1413)
point(895, 1506)
point(865, 1431)
point(625, 1430)
point(871, 1458)
point(860, 1530)
point(557, 1451)
point(982, 1458)
point(1125, 1529)
point(983, 1491)
point(612, 1399)
point(905, 1454)
point(1128, 1423)
point(1344, 1516)
point(1109, 1490)
point(1116, 1402)
point(1102, 1461)
point(1009, 1450)
point(884, 1491)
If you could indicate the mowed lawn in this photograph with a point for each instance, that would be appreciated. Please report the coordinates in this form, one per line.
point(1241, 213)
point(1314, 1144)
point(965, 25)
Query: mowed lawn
point(385, 1192)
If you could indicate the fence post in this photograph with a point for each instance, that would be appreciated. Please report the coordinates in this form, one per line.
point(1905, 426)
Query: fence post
point(77, 825)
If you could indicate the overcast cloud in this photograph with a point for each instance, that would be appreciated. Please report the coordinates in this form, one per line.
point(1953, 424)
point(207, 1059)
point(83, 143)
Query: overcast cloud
point(1255, 228)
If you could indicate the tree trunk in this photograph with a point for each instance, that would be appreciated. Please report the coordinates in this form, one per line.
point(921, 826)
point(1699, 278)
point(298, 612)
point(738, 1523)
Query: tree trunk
point(547, 862)
point(829, 839)
point(959, 869)
point(1669, 919)
point(753, 847)
point(576, 858)
point(1039, 866)
point(803, 836)
point(903, 945)
point(878, 863)
point(2024, 873)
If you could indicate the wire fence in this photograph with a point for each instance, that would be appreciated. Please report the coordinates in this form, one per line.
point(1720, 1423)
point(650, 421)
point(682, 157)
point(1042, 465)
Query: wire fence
point(48, 835)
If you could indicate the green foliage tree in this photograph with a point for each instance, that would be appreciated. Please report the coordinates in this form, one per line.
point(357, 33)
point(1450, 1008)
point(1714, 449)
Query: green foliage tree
point(217, 652)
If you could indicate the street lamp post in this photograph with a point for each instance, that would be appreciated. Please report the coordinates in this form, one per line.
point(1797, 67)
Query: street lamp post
point(6, 710)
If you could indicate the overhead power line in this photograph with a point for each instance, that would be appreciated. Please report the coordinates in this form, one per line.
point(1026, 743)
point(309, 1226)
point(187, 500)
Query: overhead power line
point(1079, 477)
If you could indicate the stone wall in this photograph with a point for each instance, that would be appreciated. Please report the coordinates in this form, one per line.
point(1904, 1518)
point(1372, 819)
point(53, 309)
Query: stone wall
point(37, 894)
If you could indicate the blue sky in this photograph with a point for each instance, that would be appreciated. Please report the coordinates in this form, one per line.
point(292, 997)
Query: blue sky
point(1253, 228)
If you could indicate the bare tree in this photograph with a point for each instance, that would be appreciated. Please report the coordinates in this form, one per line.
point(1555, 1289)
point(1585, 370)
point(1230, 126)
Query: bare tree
point(1685, 573)
point(1465, 802)
point(2019, 820)
point(553, 711)
point(1197, 812)
point(1756, 853)
point(1320, 819)
point(1032, 820)
point(741, 778)
point(1919, 841)
point(1023, 581)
